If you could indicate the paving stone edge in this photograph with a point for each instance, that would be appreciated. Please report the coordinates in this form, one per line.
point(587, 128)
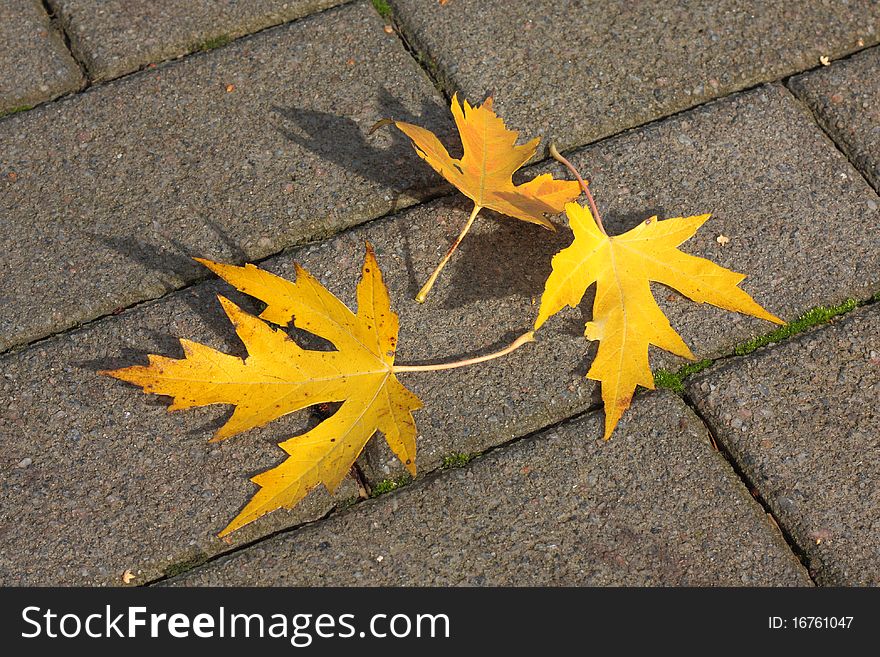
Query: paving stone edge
point(829, 131)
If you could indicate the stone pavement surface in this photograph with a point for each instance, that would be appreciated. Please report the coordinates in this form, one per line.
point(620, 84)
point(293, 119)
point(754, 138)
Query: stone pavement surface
point(252, 149)
point(802, 421)
point(53, 395)
point(655, 506)
point(848, 109)
point(578, 71)
point(114, 37)
point(34, 63)
point(229, 155)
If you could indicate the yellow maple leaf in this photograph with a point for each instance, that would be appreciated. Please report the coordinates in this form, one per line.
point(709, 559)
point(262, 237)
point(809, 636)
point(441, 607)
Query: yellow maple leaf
point(485, 171)
point(626, 318)
point(279, 377)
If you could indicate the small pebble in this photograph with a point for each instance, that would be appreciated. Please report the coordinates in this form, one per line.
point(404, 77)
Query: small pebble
point(25, 462)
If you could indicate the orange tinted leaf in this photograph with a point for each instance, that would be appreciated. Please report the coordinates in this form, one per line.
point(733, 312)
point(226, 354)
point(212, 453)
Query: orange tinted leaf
point(485, 171)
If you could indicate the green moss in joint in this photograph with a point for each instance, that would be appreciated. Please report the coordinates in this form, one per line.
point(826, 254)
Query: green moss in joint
point(809, 319)
point(214, 42)
point(820, 315)
point(180, 567)
point(675, 380)
point(456, 460)
point(668, 380)
point(383, 8)
point(16, 110)
point(388, 485)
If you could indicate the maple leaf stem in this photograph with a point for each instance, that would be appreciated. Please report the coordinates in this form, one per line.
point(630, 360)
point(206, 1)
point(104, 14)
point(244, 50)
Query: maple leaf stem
point(513, 346)
point(423, 293)
point(584, 186)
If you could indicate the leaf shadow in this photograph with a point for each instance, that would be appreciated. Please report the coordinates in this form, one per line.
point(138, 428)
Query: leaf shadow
point(501, 342)
point(347, 144)
point(452, 205)
point(511, 258)
point(620, 222)
point(174, 265)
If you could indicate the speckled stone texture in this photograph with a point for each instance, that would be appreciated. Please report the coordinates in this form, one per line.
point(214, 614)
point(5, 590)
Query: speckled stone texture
point(113, 37)
point(578, 71)
point(231, 155)
point(98, 479)
point(655, 506)
point(34, 63)
point(483, 300)
point(801, 419)
point(846, 98)
point(490, 291)
point(776, 187)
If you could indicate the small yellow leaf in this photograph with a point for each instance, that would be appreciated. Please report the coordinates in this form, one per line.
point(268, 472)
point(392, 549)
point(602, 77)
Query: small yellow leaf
point(484, 172)
point(128, 577)
point(626, 318)
point(279, 377)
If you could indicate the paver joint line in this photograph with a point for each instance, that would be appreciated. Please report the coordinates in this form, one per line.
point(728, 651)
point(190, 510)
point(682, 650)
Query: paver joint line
point(845, 105)
point(220, 156)
point(58, 25)
point(540, 511)
point(797, 419)
point(749, 485)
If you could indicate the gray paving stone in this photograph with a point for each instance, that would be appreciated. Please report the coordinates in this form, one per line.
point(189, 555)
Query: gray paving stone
point(580, 71)
point(803, 224)
point(846, 98)
point(113, 37)
point(34, 63)
point(232, 155)
point(756, 161)
point(655, 506)
point(97, 479)
point(801, 418)
point(487, 296)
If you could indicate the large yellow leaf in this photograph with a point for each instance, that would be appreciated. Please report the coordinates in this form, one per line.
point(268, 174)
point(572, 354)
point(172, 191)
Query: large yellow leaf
point(626, 318)
point(279, 377)
point(485, 171)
